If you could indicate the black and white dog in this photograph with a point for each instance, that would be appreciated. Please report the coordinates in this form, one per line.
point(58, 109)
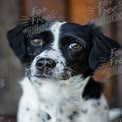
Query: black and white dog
point(60, 59)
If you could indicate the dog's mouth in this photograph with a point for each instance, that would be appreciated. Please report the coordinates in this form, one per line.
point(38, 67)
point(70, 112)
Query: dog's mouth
point(39, 74)
point(60, 76)
point(53, 74)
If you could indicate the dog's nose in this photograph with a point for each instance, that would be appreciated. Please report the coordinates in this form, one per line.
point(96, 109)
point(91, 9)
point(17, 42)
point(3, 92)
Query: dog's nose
point(45, 63)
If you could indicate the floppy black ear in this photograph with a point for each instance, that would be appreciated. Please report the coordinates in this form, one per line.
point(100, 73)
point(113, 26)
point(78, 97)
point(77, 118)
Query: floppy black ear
point(16, 39)
point(101, 47)
point(19, 35)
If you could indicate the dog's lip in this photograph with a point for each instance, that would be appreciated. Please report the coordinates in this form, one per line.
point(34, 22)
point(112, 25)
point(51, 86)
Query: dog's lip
point(63, 76)
point(49, 77)
point(42, 76)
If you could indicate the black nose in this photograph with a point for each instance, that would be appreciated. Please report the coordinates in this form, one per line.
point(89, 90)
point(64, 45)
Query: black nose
point(45, 64)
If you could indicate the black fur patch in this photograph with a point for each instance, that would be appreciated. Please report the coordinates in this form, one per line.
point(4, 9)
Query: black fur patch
point(92, 90)
point(84, 61)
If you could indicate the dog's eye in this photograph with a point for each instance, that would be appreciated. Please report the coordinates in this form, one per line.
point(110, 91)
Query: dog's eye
point(75, 45)
point(37, 41)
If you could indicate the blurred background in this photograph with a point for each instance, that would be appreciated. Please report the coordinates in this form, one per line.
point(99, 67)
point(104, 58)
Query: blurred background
point(77, 11)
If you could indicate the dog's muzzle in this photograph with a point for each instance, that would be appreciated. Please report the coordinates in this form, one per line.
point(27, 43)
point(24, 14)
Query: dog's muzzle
point(45, 64)
point(44, 67)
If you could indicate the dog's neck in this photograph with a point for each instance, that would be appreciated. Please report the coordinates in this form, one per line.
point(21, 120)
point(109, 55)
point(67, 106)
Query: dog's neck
point(59, 93)
point(76, 82)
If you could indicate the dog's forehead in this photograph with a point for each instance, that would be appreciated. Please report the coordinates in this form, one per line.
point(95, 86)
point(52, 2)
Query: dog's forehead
point(56, 27)
point(56, 30)
point(60, 29)
point(65, 28)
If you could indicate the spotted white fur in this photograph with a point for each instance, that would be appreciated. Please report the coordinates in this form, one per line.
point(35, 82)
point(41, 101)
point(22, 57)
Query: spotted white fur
point(58, 101)
point(54, 53)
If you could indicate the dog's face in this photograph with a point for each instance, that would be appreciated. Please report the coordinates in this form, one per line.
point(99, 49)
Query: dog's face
point(62, 50)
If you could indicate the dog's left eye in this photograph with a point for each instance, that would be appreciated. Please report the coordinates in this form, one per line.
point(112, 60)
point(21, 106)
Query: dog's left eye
point(37, 41)
point(75, 45)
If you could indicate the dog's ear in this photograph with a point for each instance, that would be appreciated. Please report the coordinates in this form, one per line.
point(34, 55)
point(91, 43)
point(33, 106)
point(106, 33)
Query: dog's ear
point(19, 35)
point(101, 47)
point(16, 39)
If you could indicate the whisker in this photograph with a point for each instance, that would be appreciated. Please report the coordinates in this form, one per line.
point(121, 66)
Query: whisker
point(24, 22)
point(102, 57)
point(120, 8)
point(27, 65)
point(70, 69)
point(91, 15)
point(102, 61)
point(25, 17)
point(93, 11)
point(91, 8)
point(119, 3)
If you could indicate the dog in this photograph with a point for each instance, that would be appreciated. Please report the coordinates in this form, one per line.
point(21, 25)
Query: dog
point(60, 60)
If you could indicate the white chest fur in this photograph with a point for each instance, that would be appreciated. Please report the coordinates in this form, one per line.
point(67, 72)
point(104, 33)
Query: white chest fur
point(59, 99)
point(58, 96)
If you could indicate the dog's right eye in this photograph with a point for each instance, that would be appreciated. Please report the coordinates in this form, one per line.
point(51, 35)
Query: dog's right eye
point(75, 46)
point(37, 42)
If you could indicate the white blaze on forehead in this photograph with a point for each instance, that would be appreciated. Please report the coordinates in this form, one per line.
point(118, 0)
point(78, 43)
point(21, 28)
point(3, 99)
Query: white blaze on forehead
point(54, 53)
point(55, 29)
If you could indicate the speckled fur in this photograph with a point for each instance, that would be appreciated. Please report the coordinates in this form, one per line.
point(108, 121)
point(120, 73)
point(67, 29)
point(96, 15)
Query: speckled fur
point(54, 99)
point(60, 101)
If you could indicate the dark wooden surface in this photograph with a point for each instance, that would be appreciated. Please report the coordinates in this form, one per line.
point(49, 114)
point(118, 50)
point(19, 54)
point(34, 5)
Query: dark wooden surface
point(8, 118)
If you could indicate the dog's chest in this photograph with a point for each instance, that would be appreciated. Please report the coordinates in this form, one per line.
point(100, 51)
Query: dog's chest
point(61, 99)
point(62, 102)
point(56, 97)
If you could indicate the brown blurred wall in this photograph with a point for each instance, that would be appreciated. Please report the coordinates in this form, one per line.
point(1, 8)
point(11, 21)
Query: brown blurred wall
point(9, 65)
point(70, 10)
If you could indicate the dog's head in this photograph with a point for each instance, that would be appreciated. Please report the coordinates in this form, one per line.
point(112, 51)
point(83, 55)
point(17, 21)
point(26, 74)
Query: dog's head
point(61, 50)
